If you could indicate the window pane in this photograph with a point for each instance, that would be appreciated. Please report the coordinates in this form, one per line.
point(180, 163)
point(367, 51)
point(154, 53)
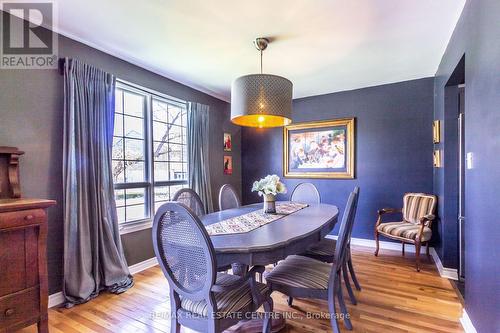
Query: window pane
point(160, 151)
point(119, 101)
point(175, 115)
point(177, 171)
point(117, 151)
point(136, 212)
point(134, 149)
point(133, 104)
point(160, 111)
point(134, 127)
point(161, 171)
point(118, 172)
point(175, 134)
point(162, 193)
point(160, 131)
point(175, 153)
point(120, 198)
point(134, 172)
point(118, 130)
point(120, 211)
point(134, 196)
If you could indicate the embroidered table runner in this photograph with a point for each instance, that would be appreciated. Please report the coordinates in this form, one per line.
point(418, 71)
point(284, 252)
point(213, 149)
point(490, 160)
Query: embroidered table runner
point(253, 220)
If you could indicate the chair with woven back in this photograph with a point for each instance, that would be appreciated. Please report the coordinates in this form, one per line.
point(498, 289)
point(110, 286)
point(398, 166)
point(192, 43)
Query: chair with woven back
point(325, 249)
point(191, 199)
point(418, 214)
point(305, 277)
point(228, 198)
point(200, 298)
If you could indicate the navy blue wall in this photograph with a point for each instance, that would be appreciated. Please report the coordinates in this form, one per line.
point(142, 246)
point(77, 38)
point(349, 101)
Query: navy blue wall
point(477, 35)
point(393, 147)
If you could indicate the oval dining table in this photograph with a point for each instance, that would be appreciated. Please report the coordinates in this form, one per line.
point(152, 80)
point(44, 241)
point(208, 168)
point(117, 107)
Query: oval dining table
point(270, 243)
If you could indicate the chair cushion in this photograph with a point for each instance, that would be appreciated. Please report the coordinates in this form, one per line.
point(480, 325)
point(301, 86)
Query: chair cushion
point(227, 302)
point(404, 230)
point(326, 247)
point(417, 205)
point(301, 272)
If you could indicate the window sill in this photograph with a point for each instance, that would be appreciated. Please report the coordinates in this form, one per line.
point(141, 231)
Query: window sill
point(134, 227)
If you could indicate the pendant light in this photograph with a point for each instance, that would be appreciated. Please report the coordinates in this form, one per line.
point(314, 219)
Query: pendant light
point(261, 100)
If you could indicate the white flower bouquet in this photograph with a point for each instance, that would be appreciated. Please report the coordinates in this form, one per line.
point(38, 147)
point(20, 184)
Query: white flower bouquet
point(269, 187)
point(271, 184)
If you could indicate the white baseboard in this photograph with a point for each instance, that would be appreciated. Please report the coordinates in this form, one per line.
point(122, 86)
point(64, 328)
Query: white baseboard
point(58, 298)
point(143, 265)
point(467, 323)
point(449, 273)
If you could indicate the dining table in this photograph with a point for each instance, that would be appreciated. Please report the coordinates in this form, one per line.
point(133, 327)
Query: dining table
point(268, 244)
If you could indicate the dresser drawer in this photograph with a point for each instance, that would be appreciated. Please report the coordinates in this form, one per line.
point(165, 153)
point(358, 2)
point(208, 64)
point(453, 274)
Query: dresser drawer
point(21, 217)
point(19, 307)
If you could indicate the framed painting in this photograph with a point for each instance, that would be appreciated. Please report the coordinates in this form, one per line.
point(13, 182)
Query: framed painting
point(227, 142)
point(323, 149)
point(228, 165)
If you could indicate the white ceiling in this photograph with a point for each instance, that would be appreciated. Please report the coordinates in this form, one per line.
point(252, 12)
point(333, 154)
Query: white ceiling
point(322, 46)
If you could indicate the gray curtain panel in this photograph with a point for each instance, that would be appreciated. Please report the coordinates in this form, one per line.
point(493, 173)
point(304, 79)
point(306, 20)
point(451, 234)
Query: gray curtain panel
point(198, 145)
point(93, 253)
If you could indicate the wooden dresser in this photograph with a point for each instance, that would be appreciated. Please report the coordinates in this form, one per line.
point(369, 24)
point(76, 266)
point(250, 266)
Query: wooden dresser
point(23, 263)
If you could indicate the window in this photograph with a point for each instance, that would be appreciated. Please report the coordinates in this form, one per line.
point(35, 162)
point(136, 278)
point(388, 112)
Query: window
point(149, 151)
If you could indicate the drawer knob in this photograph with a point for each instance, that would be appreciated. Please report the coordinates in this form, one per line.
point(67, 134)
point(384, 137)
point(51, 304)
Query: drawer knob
point(28, 217)
point(9, 312)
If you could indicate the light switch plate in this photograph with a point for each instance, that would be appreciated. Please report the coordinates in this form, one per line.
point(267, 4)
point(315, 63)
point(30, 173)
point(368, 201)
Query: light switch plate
point(469, 161)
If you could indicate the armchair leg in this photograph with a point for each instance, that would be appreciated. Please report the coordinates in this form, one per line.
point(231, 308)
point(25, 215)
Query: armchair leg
point(403, 248)
point(376, 243)
point(417, 255)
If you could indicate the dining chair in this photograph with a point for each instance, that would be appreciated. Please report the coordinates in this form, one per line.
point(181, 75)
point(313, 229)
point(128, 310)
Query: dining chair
point(191, 199)
point(305, 277)
point(418, 214)
point(325, 251)
point(200, 298)
point(228, 198)
point(306, 193)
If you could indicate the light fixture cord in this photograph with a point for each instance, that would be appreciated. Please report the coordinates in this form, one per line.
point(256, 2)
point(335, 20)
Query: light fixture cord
point(260, 61)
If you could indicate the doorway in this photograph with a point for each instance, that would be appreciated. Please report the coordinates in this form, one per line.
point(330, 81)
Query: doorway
point(454, 210)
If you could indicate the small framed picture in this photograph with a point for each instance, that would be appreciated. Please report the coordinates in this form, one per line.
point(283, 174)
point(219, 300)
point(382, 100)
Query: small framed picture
point(227, 142)
point(437, 158)
point(228, 165)
point(436, 131)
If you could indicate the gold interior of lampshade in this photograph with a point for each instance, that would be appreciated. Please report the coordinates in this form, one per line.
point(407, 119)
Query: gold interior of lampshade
point(261, 121)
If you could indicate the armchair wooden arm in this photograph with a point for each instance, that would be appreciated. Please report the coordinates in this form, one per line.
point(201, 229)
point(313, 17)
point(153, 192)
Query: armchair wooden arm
point(389, 211)
point(383, 211)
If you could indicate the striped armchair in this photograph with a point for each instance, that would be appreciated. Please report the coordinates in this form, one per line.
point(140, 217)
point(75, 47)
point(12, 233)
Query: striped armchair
point(418, 214)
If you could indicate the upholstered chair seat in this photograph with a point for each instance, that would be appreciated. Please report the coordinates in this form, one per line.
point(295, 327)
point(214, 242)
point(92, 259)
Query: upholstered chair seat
point(227, 302)
point(406, 230)
point(301, 272)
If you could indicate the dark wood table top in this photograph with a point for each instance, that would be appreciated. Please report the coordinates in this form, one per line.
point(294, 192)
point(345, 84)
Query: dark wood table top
point(316, 219)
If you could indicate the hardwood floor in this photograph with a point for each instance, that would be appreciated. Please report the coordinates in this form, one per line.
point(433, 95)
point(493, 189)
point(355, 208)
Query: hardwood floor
point(394, 298)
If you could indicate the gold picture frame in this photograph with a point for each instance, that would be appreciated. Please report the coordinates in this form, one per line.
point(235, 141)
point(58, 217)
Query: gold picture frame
point(436, 131)
point(332, 140)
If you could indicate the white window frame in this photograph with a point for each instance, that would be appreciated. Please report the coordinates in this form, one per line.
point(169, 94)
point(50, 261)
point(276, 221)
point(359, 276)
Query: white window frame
point(149, 184)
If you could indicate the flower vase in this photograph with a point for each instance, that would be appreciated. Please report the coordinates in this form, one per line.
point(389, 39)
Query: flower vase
point(269, 204)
